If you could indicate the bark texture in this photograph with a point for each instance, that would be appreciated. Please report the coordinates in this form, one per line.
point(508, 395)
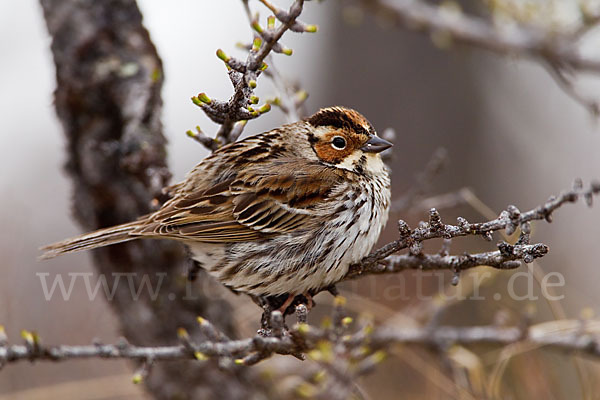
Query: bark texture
point(109, 78)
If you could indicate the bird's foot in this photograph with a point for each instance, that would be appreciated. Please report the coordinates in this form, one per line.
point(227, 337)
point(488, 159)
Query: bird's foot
point(299, 304)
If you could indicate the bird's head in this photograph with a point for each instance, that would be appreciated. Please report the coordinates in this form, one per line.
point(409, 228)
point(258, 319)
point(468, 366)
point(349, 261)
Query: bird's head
point(345, 139)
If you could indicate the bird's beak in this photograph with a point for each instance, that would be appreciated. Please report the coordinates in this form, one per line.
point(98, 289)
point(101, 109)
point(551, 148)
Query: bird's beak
point(376, 145)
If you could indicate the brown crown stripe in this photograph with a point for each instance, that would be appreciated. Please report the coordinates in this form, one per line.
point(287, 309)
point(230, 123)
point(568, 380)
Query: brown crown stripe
point(341, 118)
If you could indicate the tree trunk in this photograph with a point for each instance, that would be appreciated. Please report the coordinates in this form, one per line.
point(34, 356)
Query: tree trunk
point(109, 78)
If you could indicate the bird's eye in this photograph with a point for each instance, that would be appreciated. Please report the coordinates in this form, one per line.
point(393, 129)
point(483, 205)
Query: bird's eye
point(338, 143)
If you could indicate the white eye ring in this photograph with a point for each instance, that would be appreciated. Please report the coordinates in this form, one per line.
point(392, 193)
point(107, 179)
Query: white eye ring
point(338, 143)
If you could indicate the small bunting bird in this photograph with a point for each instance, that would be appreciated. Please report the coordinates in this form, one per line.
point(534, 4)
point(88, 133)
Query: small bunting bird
point(284, 212)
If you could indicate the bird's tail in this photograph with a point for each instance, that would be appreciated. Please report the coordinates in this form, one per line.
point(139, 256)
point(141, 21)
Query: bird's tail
point(92, 240)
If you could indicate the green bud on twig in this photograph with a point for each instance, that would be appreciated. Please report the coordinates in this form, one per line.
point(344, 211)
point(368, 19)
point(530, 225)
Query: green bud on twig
point(276, 101)
point(137, 378)
point(301, 96)
point(202, 97)
point(339, 301)
point(378, 356)
point(27, 336)
point(252, 111)
point(319, 376)
point(256, 26)
point(303, 328)
point(256, 44)
point(3, 337)
point(265, 108)
point(221, 54)
point(306, 391)
point(156, 75)
point(182, 334)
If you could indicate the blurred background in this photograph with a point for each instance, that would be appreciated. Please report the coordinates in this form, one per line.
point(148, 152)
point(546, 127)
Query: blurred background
point(512, 136)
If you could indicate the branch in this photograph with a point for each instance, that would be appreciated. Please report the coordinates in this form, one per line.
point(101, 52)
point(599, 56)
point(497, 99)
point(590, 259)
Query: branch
point(342, 348)
point(291, 97)
point(202, 351)
point(562, 335)
point(507, 256)
point(560, 50)
point(521, 39)
point(345, 349)
point(233, 114)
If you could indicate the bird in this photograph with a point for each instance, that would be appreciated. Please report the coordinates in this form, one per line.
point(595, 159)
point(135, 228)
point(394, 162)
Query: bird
point(281, 213)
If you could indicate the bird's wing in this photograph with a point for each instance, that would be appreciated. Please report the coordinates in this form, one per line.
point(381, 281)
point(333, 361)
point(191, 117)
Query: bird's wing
point(259, 201)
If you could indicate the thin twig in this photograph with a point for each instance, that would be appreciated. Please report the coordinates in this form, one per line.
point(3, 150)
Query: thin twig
point(427, 262)
point(244, 74)
point(423, 181)
point(510, 220)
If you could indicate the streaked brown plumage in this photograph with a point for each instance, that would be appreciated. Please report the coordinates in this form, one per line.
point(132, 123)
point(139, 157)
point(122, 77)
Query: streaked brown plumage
point(283, 212)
